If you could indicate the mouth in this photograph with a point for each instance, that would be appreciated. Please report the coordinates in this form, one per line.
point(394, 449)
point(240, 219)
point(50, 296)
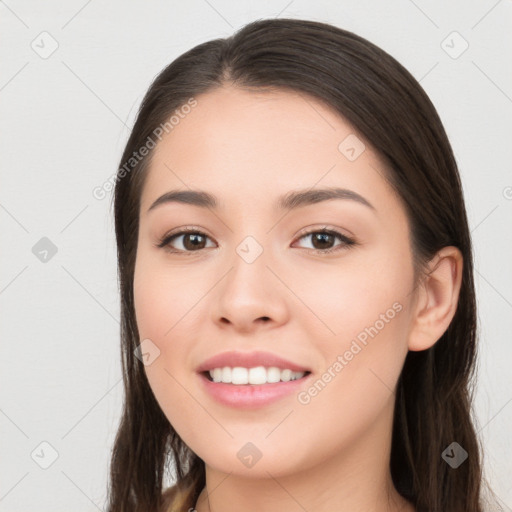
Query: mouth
point(249, 380)
point(256, 394)
point(259, 376)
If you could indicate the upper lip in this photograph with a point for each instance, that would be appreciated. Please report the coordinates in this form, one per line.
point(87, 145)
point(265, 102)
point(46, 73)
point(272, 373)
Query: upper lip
point(249, 360)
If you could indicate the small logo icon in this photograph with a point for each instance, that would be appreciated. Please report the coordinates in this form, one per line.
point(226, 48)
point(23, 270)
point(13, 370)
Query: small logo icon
point(44, 455)
point(249, 249)
point(44, 45)
point(249, 455)
point(454, 455)
point(147, 352)
point(44, 250)
point(351, 147)
point(454, 45)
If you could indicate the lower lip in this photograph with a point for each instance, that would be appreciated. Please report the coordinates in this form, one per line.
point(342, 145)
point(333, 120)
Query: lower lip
point(250, 396)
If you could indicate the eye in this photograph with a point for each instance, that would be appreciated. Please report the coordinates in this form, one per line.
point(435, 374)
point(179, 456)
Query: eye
point(325, 237)
point(194, 240)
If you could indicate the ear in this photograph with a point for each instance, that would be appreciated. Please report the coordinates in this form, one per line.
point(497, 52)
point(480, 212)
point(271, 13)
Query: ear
point(436, 299)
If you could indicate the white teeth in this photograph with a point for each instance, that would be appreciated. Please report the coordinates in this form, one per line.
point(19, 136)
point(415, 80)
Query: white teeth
point(256, 375)
point(286, 375)
point(273, 374)
point(225, 375)
point(239, 376)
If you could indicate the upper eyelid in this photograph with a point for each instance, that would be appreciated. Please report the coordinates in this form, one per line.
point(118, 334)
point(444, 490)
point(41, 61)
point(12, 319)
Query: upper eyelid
point(323, 228)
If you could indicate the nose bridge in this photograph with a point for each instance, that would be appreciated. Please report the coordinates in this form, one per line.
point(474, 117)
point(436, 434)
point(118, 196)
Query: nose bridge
point(250, 290)
point(252, 239)
point(248, 266)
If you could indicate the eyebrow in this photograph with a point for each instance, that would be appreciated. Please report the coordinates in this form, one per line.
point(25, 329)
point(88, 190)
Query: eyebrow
point(291, 200)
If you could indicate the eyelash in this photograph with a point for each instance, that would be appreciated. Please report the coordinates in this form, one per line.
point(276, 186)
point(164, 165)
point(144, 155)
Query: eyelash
point(347, 242)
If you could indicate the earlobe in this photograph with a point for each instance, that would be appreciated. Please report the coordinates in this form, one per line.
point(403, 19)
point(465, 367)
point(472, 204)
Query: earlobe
point(437, 299)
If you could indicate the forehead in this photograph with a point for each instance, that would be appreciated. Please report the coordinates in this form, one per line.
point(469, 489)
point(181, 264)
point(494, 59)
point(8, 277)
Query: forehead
point(256, 145)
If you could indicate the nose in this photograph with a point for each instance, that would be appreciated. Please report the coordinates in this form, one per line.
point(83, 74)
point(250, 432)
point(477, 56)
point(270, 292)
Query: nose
point(249, 296)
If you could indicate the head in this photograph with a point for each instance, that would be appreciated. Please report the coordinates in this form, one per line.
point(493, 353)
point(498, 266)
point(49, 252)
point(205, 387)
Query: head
point(385, 321)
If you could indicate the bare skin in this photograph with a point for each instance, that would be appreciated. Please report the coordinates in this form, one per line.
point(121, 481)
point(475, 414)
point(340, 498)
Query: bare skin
point(248, 149)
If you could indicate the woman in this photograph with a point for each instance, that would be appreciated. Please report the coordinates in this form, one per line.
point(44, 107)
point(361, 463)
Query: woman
point(298, 306)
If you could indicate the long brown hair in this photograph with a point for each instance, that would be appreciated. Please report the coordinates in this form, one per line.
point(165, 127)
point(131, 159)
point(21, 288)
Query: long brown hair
point(390, 110)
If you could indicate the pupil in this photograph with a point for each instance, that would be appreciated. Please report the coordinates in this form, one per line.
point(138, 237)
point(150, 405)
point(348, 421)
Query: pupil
point(322, 238)
point(195, 244)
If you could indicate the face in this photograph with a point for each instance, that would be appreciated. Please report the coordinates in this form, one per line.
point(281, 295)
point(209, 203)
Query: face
point(258, 275)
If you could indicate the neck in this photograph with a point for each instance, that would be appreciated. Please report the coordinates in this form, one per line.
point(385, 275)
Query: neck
point(355, 479)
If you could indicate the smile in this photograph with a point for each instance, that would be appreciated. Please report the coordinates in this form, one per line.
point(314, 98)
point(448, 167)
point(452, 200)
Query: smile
point(257, 375)
point(243, 394)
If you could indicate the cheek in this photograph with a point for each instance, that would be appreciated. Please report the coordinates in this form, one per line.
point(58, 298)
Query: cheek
point(165, 315)
point(355, 389)
point(158, 310)
point(164, 298)
point(361, 319)
point(352, 293)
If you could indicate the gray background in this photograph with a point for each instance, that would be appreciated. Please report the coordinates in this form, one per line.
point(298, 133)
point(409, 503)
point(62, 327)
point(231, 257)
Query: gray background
point(65, 118)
